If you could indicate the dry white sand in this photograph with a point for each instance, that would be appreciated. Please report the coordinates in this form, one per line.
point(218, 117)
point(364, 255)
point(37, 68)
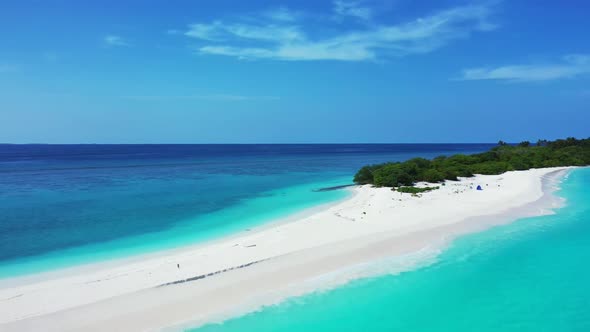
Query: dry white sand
point(264, 266)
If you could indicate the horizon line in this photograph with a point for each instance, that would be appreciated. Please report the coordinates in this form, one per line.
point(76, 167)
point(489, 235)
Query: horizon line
point(314, 143)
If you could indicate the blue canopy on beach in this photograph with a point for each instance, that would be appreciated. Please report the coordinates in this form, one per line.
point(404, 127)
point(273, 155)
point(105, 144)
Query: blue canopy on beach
point(479, 187)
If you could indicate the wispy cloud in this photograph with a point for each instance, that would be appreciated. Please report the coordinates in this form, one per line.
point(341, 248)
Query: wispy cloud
point(281, 14)
point(286, 37)
point(218, 31)
point(352, 9)
point(209, 97)
point(568, 67)
point(115, 41)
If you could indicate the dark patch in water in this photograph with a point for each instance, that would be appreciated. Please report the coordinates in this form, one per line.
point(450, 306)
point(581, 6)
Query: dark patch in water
point(334, 188)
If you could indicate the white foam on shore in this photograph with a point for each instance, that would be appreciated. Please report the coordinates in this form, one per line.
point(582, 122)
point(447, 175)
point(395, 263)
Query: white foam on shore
point(385, 266)
point(393, 265)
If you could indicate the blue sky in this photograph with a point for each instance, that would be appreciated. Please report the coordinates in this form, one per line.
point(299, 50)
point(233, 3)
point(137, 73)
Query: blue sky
point(289, 72)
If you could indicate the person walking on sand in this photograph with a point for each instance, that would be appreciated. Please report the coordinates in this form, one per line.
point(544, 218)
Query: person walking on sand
point(178, 266)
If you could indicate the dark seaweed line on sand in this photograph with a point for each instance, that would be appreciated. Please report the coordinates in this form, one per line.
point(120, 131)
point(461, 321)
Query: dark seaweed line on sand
point(203, 276)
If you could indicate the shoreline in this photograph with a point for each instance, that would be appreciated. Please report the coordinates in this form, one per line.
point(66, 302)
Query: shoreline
point(265, 262)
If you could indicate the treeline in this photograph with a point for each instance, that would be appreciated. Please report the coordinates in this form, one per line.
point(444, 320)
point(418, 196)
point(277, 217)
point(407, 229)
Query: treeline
point(502, 158)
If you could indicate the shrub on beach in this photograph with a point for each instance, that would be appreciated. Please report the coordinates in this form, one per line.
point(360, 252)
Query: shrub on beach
point(433, 175)
point(393, 175)
point(365, 175)
point(500, 159)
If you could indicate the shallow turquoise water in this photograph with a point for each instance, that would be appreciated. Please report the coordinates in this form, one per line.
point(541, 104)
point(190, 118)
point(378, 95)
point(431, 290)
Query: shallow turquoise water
point(531, 275)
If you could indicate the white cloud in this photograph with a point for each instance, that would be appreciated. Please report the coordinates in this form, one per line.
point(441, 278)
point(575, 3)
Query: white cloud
point(353, 9)
point(288, 39)
point(114, 41)
point(570, 66)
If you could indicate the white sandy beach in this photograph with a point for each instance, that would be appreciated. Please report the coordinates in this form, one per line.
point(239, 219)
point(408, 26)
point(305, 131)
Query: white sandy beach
point(263, 266)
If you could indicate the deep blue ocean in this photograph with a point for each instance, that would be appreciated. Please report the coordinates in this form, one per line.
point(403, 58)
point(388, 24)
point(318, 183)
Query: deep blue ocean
point(65, 205)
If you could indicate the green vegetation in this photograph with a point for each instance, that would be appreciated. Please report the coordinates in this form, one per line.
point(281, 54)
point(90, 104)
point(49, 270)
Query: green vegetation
point(502, 158)
point(415, 190)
